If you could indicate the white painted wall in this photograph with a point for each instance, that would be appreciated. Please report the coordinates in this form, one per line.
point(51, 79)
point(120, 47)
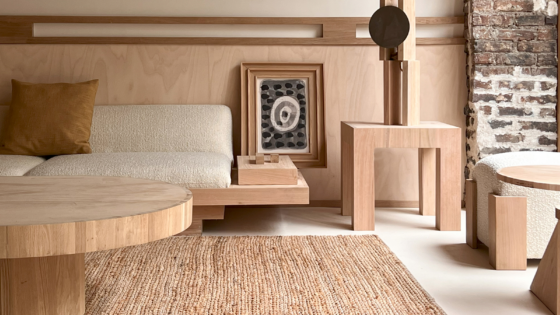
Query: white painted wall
point(252, 8)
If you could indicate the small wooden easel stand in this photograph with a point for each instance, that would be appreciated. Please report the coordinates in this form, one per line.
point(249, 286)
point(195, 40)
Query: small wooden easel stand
point(438, 144)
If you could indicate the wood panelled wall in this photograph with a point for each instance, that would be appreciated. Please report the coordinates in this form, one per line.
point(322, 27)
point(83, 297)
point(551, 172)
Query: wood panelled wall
point(197, 74)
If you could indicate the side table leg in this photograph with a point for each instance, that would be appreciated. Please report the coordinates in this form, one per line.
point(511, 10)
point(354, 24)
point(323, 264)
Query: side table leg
point(358, 180)
point(545, 284)
point(427, 181)
point(52, 285)
point(448, 187)
point(347, 169)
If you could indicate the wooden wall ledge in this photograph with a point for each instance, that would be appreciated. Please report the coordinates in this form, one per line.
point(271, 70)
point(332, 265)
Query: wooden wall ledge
point(336, 31)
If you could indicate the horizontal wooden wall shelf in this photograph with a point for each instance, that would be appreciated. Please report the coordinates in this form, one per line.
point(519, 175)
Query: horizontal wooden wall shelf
point(336, 31)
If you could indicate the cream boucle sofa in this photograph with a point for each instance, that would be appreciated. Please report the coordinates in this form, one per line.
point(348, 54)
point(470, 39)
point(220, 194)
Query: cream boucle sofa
point(187, 145)
point(541, 218)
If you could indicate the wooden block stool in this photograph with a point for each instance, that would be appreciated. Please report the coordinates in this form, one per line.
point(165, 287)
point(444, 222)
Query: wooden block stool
point(439, 147)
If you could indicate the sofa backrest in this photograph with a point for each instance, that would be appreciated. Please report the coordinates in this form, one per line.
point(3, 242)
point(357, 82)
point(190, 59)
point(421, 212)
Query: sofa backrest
point(159, 128)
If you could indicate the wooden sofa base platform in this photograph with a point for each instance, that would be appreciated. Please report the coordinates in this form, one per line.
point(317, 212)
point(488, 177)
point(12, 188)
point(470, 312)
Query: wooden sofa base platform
point(201, 213)
point(209, 204)
point(253, 194)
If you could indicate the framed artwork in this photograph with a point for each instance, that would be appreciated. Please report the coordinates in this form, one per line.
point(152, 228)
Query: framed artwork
point(283, 111)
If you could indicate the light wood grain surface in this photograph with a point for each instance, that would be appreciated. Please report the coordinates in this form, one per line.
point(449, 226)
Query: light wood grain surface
point(43, 286)
point(336, 31)
point(201, 213)
point(254, 194)
point(282, 173)
point(545, 177)
point(38, 200)
point(50, 216)
point(507, 230)
point(407, 50)
point(471, 204)
point(359, 143)
point(147, 74)
point(546, 282)
point(427, 181)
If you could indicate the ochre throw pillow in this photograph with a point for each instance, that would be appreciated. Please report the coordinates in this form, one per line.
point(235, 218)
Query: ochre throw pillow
point(49, 119)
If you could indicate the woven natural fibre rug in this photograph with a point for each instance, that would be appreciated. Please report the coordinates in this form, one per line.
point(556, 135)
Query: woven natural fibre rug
point(254, 275)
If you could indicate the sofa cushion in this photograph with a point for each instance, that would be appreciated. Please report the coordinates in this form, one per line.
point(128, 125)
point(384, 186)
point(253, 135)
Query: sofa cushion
point(541, 218)
point(162, 128)
point(18, 165)
point(186, 169)
point(49, 119)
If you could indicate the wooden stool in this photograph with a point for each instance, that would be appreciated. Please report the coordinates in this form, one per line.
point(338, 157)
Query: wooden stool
point(440, 169)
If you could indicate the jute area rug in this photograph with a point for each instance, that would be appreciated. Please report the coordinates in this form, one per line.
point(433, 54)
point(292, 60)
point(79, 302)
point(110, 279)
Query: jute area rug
point(254, 275)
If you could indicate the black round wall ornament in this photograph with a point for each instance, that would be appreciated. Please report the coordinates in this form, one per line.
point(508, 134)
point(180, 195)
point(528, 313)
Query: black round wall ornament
point(389, 27)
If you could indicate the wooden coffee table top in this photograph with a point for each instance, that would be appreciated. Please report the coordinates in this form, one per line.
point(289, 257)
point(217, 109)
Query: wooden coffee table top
point(545, 177)
point(49, 216)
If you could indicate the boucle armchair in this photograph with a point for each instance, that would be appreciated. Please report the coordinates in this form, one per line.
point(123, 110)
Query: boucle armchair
point(538, 205)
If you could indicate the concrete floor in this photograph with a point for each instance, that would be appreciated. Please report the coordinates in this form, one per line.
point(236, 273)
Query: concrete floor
point(458, 277)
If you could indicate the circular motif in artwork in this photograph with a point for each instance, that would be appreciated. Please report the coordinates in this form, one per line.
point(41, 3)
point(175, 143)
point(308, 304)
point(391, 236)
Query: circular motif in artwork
point(285, 114)
point(389, 27)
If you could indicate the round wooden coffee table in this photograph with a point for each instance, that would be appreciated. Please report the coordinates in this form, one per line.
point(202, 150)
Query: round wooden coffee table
point(546, 177)
point(48, 223)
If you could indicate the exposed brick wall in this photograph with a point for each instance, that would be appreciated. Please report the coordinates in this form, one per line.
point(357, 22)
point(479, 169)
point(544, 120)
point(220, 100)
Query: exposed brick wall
point(512, 76)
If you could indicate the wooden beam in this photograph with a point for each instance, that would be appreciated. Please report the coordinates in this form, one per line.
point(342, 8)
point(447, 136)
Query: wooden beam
point(22, 19)
point(336, 31)
point(440, 20)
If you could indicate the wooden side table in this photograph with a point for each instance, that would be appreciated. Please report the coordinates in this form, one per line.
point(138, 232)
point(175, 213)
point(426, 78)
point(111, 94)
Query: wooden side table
point(547, 280)
point(439, 153)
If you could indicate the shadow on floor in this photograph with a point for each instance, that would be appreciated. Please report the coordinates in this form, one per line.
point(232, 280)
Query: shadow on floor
point(476, 258)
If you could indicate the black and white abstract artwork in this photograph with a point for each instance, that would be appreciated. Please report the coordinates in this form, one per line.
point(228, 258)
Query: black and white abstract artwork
point(282, 111)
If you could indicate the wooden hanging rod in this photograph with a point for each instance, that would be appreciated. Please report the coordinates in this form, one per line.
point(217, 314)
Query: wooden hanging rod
point(336, 31)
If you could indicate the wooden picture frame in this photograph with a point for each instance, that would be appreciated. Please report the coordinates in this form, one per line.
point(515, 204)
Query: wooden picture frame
point(309, 148)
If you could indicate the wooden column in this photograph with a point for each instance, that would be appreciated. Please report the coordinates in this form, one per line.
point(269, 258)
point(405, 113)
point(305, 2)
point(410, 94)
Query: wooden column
point(411, 69)
point(392, 90)
point(410, 99)
point(392, 78)
point(52, 285)
point(401, 74)
point(407, 50)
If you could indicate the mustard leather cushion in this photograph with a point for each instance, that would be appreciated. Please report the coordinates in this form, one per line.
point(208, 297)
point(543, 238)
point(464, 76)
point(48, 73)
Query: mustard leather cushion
point(49, 119)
